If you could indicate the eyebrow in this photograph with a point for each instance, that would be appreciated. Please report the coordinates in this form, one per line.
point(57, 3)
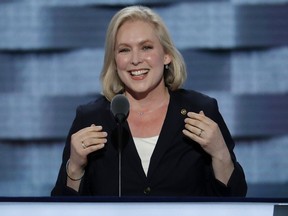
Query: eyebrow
point(141, 43)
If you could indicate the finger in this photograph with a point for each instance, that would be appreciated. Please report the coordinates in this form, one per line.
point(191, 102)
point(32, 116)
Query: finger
point(95, 134)
point(196, 116)
point(94, 148)
point(90, 132)
point(192, 136)
point(194, 122)
point(193, 129)
point(94, 141)
point(197, 120)
point(92, 128)
point(94, 138)
point(200, 117)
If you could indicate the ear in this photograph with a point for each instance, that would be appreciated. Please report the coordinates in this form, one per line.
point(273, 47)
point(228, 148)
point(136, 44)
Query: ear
point(167, 59)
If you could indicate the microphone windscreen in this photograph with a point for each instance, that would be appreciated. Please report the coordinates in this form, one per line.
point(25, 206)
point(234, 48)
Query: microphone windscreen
point(120, 107)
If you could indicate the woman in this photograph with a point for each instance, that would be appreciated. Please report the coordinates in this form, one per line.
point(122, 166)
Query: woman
point(175, 141)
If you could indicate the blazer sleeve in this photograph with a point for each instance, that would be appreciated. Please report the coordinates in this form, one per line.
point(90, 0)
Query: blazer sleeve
point(60, 188)
point(237, 185)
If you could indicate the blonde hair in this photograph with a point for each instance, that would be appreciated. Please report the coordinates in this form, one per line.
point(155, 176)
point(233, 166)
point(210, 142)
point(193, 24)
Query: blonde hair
point(174, 76)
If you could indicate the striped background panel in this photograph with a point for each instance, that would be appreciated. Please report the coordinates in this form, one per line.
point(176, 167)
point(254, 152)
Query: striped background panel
point(51, 55)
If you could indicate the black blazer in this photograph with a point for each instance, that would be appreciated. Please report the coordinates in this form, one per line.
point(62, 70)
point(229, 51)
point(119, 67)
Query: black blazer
point(178, 166)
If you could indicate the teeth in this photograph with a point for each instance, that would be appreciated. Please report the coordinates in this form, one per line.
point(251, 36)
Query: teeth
point(139, 72)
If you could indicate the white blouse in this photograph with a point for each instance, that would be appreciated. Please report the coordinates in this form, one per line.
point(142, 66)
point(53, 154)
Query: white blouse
point(145, 148)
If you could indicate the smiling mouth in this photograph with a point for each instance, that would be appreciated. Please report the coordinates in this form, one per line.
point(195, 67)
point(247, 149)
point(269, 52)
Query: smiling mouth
point(138, 72)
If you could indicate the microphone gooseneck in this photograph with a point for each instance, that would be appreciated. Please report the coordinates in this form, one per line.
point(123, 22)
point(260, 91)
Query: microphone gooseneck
point(120, 108)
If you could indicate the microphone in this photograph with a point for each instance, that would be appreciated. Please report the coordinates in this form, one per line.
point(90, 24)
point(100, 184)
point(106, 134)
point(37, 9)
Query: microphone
point(120, 108)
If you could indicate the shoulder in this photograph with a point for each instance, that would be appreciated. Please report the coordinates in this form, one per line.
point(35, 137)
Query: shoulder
point(99, 104)
point(195, 101)
point(192, 97)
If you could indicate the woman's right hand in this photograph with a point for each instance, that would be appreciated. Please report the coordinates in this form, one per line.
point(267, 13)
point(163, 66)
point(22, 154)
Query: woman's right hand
point(83, 142)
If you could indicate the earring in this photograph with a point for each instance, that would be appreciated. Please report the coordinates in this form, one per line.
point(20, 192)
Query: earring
point(166, 66)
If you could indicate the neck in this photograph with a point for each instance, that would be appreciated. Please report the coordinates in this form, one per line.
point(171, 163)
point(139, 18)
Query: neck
point(150, 102)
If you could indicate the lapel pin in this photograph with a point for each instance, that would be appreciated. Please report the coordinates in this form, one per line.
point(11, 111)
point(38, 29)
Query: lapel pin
point(183, 112)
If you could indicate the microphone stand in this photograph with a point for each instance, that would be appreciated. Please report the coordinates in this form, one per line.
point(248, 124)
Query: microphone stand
point(120, 129)
point(120, 109)
point(120, 119)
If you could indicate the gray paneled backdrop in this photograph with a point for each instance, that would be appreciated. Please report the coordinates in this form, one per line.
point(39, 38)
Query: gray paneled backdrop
point(51, 55)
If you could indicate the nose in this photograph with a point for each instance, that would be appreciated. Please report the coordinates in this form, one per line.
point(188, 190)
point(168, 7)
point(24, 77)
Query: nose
point(136, 58)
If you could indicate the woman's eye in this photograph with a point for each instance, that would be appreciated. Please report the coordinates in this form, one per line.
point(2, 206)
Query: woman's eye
point(123, 50)
point(147, 47)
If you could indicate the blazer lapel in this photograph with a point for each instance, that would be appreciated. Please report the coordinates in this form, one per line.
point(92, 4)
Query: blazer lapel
point(173, 124)
point(131, 154)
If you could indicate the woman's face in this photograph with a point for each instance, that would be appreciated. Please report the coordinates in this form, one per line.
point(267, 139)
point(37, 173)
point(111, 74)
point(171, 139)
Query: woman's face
point(140, 57)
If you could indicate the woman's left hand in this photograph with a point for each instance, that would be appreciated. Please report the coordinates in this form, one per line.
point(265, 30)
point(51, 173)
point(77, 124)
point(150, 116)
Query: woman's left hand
point(206, 132)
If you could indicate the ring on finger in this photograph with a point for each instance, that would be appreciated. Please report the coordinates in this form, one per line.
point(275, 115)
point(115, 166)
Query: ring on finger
point(200, 132)
point(83, 145)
